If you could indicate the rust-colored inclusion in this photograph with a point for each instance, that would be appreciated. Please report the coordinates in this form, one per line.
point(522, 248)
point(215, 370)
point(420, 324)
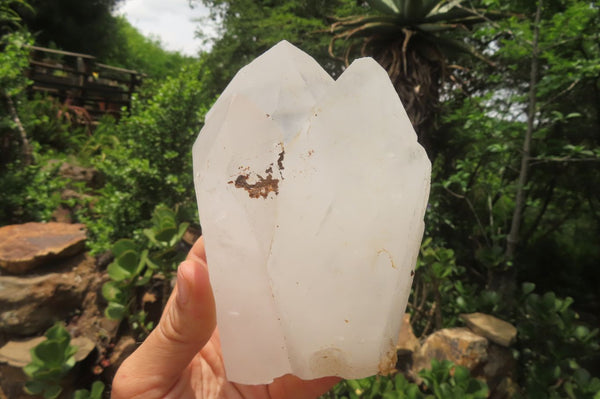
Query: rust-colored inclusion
point(261, 188)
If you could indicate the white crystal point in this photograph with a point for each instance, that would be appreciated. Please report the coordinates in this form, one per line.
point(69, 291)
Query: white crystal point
point(311, 195)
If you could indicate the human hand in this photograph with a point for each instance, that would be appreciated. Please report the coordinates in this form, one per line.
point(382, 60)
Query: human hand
point(182, 357)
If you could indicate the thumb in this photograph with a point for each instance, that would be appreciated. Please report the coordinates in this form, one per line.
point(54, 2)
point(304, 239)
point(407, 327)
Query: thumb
point(185, 327)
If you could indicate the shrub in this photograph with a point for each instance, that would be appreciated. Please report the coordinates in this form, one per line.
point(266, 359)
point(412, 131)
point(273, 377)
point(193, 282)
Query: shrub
point(149, 161)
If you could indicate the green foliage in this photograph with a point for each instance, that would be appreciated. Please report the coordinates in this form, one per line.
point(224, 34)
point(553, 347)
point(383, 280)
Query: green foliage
point(30, 193)
point(552, 365)
point(9, 17)
point(48, 124)
point(51, 361)
point(146, 157)
point(13, 61)
point(447, 381)
point(443, 381)
point(134, 267)
point(250, 27)
point(81, 26)
point(438, 289)
point(135, 51)
point(94, 393)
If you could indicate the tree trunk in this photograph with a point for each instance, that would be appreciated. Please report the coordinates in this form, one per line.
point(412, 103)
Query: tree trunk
point(26, 147)
point(505, 281)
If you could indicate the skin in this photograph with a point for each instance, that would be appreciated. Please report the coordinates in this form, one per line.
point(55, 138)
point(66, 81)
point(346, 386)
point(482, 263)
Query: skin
point(182, 357)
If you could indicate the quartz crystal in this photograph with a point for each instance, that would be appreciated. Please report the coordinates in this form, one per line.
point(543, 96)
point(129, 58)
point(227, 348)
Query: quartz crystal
point(311, 194)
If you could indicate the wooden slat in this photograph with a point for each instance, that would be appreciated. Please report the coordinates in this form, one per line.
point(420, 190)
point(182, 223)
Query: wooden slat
point(85, 83)
point(67, 53)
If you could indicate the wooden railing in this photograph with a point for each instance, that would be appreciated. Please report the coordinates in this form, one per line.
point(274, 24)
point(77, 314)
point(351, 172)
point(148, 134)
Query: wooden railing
point(81, 83)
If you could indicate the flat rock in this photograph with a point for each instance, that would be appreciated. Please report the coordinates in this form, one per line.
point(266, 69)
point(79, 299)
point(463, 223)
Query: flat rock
point(459, 345)
point(32, 303)
point(26, 246)
point(494, 329)
point(17, 353)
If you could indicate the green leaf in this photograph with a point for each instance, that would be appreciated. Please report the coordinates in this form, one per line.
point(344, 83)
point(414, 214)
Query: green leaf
point(58, 332)
point(81, 394)
point(34, 387)
point(122, 246)
point(115, 311)
point(165, 235)
point(129, 260)
point(386, 6)
point(111, 292)
point(145, 278)
point(151, 236)
point(97, 390)
point(117, 273)
point(528, 288)
point(180, 232)
point(52, 392)
point(50, 353)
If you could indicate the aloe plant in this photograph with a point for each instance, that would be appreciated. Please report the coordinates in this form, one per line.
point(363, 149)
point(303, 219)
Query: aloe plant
point(413, 40)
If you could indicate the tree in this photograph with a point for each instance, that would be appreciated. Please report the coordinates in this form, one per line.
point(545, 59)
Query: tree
point(547, 99)
point(72, 25)
point(132, 50)
point(251, 27)
point(413, 40)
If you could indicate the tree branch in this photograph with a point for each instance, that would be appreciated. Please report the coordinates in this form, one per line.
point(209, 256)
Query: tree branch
point(27, 152)
point(472, 208)
point(513, 237)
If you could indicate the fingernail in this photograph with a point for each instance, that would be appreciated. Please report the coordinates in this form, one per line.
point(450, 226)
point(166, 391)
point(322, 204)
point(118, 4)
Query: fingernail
point(183, 287)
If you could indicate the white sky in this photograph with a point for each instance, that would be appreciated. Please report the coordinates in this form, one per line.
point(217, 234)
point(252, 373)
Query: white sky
point(169, 20)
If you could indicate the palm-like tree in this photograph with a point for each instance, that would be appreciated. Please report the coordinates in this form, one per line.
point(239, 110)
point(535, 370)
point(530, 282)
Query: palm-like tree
point(414, 41)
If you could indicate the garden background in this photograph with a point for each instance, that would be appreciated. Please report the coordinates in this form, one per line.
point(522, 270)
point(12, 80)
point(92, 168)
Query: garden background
point(504, 96)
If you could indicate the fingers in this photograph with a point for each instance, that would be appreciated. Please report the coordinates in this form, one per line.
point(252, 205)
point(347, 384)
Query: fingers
point(197, 253)
point(186, 325)
point(291, 387)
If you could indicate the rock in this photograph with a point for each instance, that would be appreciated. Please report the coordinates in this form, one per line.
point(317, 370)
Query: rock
point(32, 303)
point(496, 330)
point(506, 389)
point(123, 348)
point(406, 346)
point(459, 345)
point(62, 214)
point(17, 353)
point(287, 152)
point(407, 342)
point(26, 246)
point(500, 366)
point(90, 176)
point(84, 345)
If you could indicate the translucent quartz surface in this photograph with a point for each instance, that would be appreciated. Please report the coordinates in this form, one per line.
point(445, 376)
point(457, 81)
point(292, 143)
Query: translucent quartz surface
point(311, 194)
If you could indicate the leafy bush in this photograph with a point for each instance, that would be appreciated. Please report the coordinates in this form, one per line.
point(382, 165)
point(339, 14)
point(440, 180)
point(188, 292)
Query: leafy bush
point(448, 381)
point(149, 161)
point(551, 366)
point(30, 193)
point(134, 267)
point(443, 381)
point(51, 361)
